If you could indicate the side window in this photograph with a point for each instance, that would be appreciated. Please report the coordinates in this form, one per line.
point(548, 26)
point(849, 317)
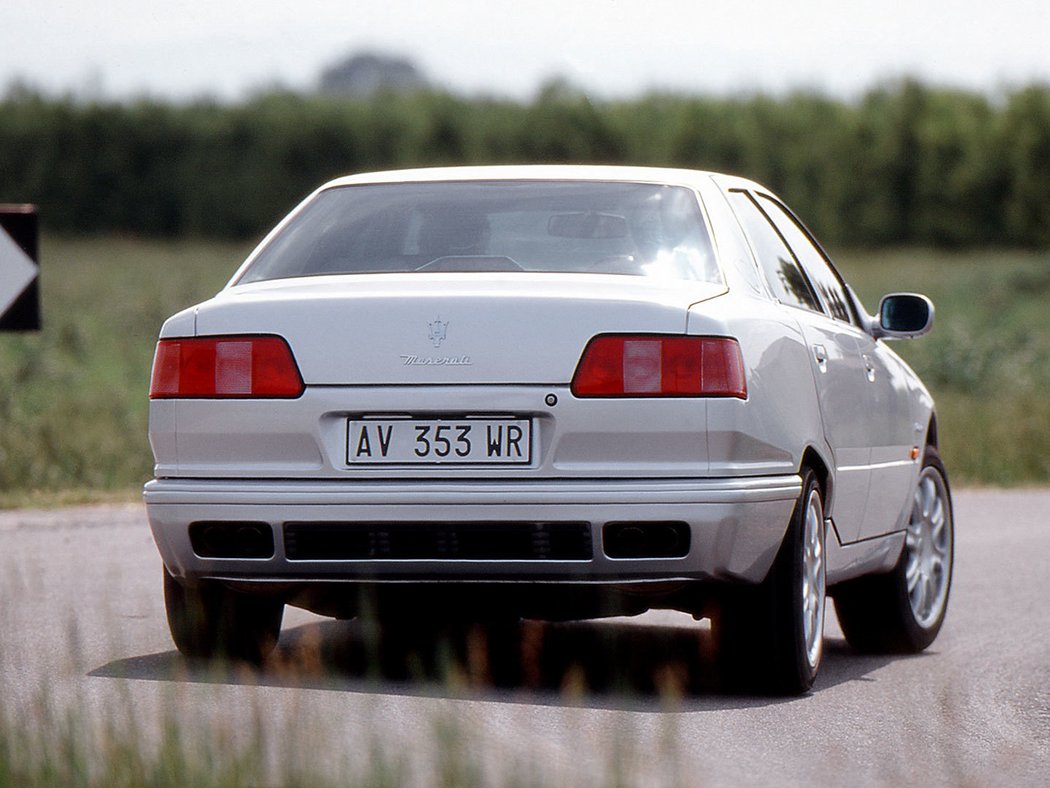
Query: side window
point(729, 238)
point(786, 280)
point(821, 274)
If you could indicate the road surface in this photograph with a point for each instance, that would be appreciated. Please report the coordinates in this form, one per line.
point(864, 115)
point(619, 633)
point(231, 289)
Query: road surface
point(83, 634)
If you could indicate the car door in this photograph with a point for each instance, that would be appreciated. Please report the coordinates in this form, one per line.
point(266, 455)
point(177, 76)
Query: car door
point(896, 453)
point(838, 366)
point(871, 378)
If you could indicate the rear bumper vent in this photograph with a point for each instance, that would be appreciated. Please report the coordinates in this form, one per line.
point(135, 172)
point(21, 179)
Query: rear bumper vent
point(473, 541)
point(646, 540)
point(231, 539)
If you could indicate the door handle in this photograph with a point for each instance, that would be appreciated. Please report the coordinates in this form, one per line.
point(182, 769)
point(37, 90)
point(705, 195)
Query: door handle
point(821, 354)
point(869, 367)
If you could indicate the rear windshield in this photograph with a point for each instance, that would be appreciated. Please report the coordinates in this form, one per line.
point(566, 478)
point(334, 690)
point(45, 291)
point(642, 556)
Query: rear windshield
point(597, 227)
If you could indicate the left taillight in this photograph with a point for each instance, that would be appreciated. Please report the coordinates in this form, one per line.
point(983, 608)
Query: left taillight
point(232, 367)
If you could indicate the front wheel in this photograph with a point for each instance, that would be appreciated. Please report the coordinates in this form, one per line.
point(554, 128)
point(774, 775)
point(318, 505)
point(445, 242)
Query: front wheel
point(771, 637)
point(209, 620)
point(902, 611)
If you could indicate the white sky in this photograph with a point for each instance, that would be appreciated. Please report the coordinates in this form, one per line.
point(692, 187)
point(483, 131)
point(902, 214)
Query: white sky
point(612, 48)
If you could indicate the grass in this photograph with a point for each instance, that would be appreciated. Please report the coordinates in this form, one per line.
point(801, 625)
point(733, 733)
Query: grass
point(51, 744)
point(73, 404)
point(265, 731)
point(73, 398)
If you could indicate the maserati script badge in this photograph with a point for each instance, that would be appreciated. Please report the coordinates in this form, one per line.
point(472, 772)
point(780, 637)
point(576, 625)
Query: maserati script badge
point(438, 329)
point(437, 333)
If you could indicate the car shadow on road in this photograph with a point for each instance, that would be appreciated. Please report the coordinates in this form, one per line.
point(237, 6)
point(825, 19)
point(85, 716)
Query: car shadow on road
point(593, 664)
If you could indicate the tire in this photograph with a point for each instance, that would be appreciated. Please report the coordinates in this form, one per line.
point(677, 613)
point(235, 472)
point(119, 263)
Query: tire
point(771, 637)
point(209, 620)
point(901, 612)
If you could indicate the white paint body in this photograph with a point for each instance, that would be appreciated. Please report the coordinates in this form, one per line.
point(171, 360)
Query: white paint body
point(817, 388)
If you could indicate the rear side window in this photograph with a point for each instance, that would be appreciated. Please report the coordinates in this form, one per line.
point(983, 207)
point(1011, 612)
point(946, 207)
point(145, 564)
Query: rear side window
point(827, 283)
point(580, 227)
point(782, 272)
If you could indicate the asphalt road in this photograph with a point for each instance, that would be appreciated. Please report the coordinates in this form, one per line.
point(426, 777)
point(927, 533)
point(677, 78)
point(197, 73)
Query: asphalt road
point(82, 631)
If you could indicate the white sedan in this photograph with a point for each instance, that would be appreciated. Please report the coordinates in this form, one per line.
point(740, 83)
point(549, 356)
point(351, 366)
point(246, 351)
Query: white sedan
point(549, 392)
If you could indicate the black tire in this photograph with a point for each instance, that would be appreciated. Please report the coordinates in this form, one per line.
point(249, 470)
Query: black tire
point(770, 637)
point(901, 612)
point(209, 620)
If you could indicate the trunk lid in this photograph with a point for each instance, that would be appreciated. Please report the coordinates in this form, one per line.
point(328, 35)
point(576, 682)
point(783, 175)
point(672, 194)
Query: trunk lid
point(448, 328)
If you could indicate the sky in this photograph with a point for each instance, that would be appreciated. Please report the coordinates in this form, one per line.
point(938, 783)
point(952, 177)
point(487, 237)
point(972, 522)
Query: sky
point(229, 49)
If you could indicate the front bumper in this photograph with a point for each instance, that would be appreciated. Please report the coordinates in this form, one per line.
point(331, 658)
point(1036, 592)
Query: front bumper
point(736, 525)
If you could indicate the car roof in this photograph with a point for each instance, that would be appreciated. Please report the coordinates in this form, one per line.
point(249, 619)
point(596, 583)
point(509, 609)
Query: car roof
point(529, 172)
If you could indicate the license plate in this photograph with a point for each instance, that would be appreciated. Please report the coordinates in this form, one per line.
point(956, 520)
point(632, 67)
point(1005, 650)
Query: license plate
point(439, 442)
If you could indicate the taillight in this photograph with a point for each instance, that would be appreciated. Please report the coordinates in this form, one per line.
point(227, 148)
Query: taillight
point(225, 367)
point(660, 366)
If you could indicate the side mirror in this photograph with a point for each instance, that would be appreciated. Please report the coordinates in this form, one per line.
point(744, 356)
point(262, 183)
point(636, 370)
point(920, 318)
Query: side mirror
point(903, 316)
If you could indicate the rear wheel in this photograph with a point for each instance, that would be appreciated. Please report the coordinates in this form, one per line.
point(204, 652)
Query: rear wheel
point(771, 636)
point(209, 620)
point(902, 611)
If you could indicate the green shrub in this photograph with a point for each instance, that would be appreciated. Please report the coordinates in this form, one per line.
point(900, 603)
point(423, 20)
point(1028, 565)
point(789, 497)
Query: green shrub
point(904, 164)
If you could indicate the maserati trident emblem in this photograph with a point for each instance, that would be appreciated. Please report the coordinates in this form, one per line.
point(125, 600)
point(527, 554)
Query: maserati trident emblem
point(438, 329)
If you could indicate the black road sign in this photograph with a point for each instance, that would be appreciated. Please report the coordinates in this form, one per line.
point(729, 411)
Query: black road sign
point(19, 275)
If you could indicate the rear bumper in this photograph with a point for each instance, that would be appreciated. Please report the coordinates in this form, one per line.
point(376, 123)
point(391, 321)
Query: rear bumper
point(735, 526)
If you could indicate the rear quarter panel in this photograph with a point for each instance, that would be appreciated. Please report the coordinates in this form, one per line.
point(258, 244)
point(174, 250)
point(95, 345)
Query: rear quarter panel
point(768, 432)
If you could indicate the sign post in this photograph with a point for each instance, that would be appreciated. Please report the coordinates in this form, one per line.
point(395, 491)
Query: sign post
point(19, 274)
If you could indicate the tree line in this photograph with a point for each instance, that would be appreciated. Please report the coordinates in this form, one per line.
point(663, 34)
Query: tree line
point(906, 163)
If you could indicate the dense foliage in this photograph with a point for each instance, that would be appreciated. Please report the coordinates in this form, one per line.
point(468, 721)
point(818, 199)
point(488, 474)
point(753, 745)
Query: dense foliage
point(904, 164)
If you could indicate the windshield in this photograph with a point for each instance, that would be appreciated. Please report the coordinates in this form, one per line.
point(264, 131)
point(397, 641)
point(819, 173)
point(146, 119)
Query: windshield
point(579, 227)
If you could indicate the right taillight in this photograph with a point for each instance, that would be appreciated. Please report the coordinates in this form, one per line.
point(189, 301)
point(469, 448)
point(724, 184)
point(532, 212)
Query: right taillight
point(616, 365)
point(232, 367)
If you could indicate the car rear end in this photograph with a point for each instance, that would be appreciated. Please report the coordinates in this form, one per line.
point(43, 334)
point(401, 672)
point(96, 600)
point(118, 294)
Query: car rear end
point(468, 422)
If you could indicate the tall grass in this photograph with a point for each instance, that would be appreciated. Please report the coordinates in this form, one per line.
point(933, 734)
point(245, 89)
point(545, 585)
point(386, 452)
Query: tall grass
point(266, 729)
point(61, 744)
point(73, 404)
